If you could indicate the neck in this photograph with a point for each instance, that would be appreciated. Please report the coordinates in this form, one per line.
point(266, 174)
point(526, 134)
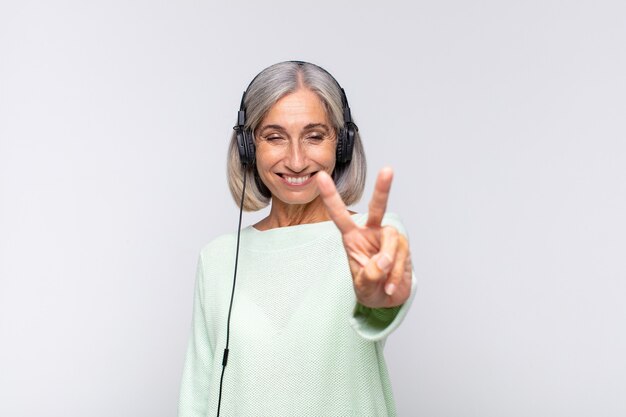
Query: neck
point(282, 214)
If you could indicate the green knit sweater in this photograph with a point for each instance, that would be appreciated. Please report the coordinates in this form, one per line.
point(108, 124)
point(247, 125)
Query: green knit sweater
point(300, 344)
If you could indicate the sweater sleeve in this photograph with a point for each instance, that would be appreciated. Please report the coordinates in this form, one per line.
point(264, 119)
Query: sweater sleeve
point(193, 401)
point(375, 324)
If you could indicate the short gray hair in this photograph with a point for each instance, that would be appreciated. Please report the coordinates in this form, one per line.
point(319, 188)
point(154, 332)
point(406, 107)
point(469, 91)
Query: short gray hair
point(269, 86)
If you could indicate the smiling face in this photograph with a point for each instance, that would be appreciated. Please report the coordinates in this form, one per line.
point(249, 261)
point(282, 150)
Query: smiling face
point(294, 141)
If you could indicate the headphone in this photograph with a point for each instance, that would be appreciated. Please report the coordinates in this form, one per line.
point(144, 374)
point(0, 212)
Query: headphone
point(345, 138)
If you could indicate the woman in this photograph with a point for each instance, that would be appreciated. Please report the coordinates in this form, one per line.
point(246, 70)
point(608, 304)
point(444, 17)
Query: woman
point(318, 287)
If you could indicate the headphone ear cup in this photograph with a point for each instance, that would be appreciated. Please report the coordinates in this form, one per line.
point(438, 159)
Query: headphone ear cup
point(345, 143)
point(341, 140)
point(241, 146)
point(351, 130)
point(251, 147)
point(245, 144)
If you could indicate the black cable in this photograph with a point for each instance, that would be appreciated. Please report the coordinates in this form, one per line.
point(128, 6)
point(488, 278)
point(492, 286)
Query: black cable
point(232, 294)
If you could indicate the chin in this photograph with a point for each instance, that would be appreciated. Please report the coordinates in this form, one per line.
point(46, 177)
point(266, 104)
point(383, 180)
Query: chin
point(294, 200)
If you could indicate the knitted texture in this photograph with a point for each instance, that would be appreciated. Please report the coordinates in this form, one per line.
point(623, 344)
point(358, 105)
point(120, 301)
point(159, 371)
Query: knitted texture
point(300, 344)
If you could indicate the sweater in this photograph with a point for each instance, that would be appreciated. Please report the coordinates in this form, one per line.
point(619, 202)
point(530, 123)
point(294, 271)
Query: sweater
point(300, 344)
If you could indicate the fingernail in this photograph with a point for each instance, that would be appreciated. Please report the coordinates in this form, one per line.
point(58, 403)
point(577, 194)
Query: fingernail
point(390, 289)
point(384, 262)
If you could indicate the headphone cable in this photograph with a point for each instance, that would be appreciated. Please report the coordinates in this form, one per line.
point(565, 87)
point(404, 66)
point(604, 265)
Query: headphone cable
point(232, 294)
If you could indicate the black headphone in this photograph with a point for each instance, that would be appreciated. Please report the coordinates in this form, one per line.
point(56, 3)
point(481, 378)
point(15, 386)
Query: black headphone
point(345, 138)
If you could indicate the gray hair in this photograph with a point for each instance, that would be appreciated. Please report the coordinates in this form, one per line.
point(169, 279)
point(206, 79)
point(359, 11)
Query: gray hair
point(269, 86)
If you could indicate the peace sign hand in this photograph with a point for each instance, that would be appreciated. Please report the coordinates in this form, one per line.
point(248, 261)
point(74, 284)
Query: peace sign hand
point(379, 257)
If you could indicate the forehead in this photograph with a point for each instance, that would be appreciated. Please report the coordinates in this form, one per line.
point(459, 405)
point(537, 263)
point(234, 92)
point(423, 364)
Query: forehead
point(303, 105)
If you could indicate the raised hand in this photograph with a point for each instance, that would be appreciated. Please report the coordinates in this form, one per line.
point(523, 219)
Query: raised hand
point(379, 257)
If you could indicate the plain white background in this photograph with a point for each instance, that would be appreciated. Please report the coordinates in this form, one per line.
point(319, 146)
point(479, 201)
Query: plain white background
point(504, 122)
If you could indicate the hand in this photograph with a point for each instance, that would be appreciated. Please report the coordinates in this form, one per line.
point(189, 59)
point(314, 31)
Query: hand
point(379, 257)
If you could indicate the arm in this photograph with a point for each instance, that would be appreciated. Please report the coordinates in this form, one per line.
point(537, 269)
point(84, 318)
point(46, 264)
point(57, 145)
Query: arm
point(194, 391)
point(376, 324)
point(379, 257)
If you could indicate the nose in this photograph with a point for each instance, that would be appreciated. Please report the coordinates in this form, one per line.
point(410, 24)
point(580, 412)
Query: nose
point(296, 157)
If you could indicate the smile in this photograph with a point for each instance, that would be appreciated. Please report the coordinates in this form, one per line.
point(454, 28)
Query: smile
point(297, 181)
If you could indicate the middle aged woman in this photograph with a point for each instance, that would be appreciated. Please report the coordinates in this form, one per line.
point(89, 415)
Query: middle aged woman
point(319, 288)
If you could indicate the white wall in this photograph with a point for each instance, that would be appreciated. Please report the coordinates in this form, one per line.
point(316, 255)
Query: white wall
point(504, 121)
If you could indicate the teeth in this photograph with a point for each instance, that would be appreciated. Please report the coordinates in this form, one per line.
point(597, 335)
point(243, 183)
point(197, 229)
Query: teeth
point(296, 180)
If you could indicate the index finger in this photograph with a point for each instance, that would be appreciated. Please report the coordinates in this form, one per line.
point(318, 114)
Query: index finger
point(335, 206)
point(378, 204)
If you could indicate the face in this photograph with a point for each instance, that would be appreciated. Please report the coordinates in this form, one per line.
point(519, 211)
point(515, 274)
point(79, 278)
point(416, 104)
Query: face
point(294, 141)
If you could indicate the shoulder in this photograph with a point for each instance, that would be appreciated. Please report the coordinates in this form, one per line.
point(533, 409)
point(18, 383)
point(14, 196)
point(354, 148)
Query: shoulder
point(219, 247)
point(393, 219)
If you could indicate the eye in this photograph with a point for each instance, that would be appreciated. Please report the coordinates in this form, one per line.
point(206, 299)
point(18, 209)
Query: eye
point(273, 138)
point(316, 136)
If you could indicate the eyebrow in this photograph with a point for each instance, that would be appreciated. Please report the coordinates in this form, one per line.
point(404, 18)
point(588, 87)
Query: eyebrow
point(310, 126)
point(315, 126)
